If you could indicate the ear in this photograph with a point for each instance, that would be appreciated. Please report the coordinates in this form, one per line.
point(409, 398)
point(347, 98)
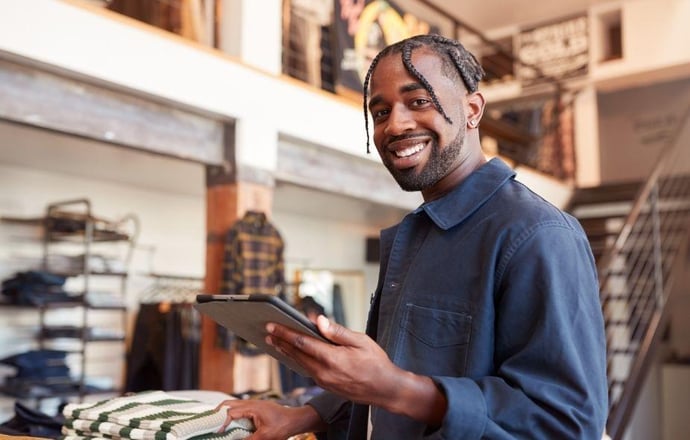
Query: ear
point(475, 109)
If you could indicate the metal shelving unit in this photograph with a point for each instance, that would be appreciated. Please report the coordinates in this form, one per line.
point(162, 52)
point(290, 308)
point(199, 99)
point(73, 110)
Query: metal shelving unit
point(73, 242)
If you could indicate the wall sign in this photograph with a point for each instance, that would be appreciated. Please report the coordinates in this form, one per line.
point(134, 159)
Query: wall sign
point(558, 49)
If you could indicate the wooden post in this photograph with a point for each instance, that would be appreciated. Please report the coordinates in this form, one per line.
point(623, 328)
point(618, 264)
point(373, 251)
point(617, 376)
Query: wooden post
point(226, 201)
point(216, 363)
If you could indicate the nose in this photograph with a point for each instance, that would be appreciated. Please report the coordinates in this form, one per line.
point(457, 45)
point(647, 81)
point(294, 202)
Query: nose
point(400, 120)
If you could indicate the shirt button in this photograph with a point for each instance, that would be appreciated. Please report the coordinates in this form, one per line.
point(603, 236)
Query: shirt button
point(393, 285)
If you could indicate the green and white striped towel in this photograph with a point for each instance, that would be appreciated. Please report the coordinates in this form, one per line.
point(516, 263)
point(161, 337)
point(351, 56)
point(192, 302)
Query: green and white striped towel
point(152, 415)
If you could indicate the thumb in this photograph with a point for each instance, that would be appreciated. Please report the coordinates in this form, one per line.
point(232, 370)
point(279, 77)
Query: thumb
point(335, 332)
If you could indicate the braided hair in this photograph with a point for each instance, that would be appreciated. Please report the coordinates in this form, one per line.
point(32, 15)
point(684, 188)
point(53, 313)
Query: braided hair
point(457, 61)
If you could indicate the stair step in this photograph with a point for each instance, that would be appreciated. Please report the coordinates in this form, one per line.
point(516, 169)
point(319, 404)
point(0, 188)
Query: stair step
point(607, 193)
point(602, 210)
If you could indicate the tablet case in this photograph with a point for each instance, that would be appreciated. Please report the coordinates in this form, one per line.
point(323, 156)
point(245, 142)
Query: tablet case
point(247, 316)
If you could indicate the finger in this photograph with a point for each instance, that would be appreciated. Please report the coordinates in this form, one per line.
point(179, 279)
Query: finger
point(306, 351)
point(289, 340)
point(234, 414)
point(236, 411)
point(296, 346)
point(224, 403)
point(225, 424)
point(336, 332)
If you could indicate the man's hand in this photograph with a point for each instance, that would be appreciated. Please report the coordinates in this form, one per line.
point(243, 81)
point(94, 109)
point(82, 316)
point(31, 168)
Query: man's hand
point(357, 368)
point(271, 420)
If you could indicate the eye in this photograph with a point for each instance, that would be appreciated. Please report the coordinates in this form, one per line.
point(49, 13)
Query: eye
point(379, 115)
point(420, 102)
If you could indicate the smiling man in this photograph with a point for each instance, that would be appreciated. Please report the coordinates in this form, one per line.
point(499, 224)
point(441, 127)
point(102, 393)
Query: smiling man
point(427, 145)
point(486, 322)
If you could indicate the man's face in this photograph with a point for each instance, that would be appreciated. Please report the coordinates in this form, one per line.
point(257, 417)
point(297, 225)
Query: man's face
point(415, 142)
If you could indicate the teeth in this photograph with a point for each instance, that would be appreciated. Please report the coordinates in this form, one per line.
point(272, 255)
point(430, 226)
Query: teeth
point(410, 151)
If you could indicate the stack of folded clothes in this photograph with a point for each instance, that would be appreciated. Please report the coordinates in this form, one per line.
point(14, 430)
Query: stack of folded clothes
point(35, 288)
point(150, 415)
point(39, 373)
point(29, 422)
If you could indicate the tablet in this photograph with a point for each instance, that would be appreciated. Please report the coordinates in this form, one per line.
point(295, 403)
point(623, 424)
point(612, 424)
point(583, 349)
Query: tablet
point(247, 316)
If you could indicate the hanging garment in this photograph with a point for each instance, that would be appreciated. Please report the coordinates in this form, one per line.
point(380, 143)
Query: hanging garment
point(253, 263)
point(253, 258)
point(164, 352)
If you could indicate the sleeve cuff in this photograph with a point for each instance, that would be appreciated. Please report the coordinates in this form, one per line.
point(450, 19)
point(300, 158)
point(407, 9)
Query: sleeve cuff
point(466, 414)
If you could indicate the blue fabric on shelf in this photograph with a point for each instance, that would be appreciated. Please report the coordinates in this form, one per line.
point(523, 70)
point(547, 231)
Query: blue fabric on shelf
point(35, 288)
point(35, 358)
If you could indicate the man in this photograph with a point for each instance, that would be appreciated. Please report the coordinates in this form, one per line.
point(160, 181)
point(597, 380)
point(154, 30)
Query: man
point(486, 321)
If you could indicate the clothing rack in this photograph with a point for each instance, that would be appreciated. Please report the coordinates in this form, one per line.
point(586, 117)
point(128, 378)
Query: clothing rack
point(171, 288)
point(164, 353)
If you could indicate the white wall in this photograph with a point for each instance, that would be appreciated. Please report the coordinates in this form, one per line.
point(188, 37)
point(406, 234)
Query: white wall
point(646, 419)
point(636, 124)
point(676, 399)
point(655, 36)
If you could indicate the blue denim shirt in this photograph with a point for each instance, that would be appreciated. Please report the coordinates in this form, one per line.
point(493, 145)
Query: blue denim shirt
point(493, 293)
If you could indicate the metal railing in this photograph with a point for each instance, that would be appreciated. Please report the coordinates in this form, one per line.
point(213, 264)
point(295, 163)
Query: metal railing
point(636, 275)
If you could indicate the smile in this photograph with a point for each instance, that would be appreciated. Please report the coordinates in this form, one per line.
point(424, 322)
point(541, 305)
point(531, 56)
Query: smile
point(409, 151)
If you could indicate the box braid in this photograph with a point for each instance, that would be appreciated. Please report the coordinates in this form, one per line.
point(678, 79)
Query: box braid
point(457, 62)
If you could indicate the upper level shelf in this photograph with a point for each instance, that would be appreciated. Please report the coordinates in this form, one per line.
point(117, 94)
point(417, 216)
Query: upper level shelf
point(72, 220)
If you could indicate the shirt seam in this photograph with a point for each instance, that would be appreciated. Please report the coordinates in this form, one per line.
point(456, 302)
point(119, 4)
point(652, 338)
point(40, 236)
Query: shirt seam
point(522, 239)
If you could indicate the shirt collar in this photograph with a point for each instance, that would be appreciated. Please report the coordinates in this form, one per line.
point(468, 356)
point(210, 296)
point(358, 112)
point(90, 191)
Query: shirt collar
point(469, 195)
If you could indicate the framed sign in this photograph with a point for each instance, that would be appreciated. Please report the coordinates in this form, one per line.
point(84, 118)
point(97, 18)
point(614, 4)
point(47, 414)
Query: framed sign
point(559, 49)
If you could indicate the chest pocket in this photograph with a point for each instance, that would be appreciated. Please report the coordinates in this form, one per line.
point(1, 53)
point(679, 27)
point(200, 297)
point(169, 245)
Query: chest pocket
point(433, 341)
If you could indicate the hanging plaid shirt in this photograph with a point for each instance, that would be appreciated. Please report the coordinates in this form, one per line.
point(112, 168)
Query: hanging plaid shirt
point(253, 259)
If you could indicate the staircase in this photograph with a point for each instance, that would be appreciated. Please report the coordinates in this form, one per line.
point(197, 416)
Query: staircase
point(638, 232)
point(602, 211)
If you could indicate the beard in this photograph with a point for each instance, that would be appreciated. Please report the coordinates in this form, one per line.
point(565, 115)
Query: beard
point(441, 161)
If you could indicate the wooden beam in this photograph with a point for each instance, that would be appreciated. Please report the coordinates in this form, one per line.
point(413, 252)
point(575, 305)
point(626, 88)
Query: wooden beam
point(334, 171)
point(48, 100)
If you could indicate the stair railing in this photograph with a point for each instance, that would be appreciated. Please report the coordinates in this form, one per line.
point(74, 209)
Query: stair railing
point(636, 275)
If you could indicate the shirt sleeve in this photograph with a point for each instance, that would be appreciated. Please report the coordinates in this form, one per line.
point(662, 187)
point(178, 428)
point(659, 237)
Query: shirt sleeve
point(331, 408)
point(550, 360)
point(232, 282)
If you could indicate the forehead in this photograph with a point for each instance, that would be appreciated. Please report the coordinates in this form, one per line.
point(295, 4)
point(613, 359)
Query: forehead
point(391, 69)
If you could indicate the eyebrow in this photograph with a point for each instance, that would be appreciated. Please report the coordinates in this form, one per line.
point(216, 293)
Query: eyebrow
point(411, 87)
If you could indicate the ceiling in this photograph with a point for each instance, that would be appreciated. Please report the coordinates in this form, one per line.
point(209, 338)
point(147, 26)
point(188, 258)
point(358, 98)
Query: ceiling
point(486, 15)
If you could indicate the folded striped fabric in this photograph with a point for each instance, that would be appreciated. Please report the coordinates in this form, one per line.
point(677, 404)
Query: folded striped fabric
point(151, 415)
